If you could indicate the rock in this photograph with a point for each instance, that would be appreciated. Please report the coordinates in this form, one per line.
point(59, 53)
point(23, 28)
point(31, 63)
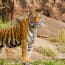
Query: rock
point(50, 27)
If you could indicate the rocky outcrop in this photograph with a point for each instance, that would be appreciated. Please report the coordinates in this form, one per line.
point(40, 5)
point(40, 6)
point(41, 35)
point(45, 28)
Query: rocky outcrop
point(51, 27)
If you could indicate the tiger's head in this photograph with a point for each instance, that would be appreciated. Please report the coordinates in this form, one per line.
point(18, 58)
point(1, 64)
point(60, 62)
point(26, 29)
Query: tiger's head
point(36, 19)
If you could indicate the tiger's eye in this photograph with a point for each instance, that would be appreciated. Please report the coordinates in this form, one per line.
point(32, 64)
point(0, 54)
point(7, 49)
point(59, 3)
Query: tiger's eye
point(34, 16)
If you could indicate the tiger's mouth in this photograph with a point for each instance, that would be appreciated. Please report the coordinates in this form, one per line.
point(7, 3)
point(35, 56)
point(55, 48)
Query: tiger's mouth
point(36, 25)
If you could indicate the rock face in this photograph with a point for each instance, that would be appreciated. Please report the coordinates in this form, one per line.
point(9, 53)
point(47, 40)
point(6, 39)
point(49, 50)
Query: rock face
point(50, 27)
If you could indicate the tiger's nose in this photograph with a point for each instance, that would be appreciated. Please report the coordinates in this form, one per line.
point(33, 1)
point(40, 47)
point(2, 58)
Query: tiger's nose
point(37, 19)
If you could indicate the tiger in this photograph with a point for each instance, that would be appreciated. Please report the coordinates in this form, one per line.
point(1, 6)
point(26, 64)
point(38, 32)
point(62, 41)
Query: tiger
point(22, 34)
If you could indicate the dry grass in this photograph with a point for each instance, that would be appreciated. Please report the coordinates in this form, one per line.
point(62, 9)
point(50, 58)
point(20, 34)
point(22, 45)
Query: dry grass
point(60, 37)
point(45, 51)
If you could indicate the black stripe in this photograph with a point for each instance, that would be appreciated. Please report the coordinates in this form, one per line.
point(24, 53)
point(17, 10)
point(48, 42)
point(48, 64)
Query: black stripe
point(2, 41)
point(30, 46)
point(11, 42)
point(0, 50)
point(29, 49)
point(1, 45)
point(7, 39)
point(15, 35)
point(19, 41)
point(30, 28)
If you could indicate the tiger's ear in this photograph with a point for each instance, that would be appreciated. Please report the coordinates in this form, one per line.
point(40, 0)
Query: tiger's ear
point(42, 12)
point(30, 13)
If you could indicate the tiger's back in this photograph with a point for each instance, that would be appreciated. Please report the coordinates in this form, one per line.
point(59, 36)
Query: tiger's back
point(12, 37)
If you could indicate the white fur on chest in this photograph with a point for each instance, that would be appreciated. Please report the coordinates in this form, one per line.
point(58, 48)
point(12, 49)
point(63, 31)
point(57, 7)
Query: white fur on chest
point(32, 35)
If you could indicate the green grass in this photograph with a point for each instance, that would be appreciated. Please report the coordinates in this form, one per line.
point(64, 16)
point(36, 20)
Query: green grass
point(36, 62)
point(45, 52)
point(52, 62)
point(4, 62)
point(6, 25)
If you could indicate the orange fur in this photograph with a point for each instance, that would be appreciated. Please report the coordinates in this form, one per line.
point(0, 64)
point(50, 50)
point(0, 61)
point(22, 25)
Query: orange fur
point(21, 32)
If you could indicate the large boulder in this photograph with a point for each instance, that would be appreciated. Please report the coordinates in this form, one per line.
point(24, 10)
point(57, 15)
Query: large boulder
point(51, 27)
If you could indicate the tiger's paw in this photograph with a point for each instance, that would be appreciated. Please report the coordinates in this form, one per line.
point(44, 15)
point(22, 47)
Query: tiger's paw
point(26, 60)
point(27, 63)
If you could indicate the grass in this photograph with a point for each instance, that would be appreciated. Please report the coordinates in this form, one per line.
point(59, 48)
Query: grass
point(54, 62)
point(6, 25)
point(36, 62)
point(4, 62)
point(60, 37)
point(45, 51)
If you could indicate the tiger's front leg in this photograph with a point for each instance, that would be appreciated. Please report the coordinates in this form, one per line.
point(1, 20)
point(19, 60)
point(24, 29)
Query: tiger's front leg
point(25, 56)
